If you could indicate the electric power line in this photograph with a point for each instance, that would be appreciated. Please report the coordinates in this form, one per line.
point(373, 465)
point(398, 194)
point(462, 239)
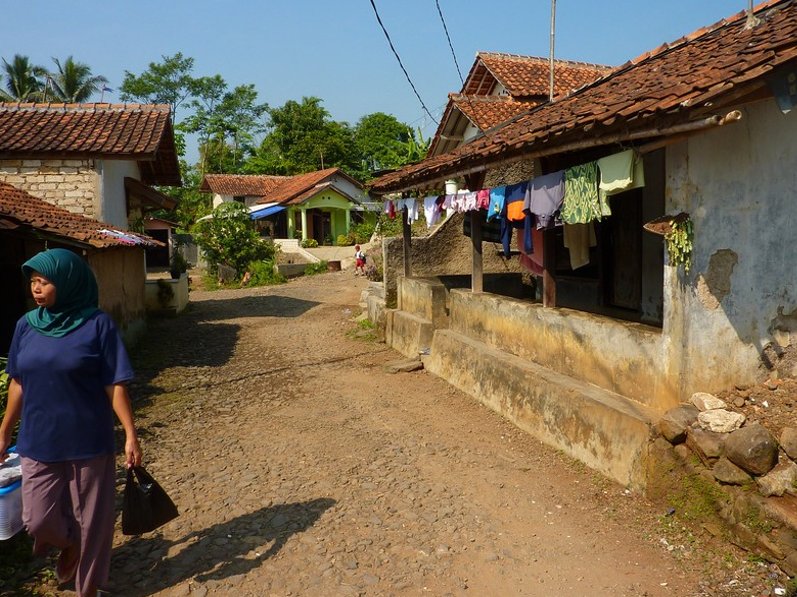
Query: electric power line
point(395, 53)
point(448, 37)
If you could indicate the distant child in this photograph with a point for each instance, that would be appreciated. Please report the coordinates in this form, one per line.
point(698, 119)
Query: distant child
point(359, 261)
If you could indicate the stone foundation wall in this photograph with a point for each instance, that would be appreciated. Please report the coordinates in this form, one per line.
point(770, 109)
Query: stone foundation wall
point(70, 184)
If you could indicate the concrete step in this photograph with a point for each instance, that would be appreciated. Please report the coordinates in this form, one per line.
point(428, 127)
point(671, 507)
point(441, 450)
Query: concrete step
point(606, 431)
point(408, 333)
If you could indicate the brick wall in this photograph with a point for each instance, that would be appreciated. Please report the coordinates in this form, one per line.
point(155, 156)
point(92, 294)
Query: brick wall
point(71, 184)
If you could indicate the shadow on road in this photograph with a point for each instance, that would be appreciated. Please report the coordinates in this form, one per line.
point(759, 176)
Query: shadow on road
point(223, 550)
point(251, 306)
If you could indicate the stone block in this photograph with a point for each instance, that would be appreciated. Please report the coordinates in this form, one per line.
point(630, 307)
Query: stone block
point(779, 480)
point(726, 472)
point(788, 441)
point(704, 401)
point(676, 421)
point(707, 443)
point(752, 448)
point(720, 420)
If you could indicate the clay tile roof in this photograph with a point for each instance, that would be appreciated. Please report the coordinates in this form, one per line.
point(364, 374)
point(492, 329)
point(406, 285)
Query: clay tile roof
point(241, 184)
point(528, 76)
point(487, 111)
point(703, 74)
point(19, 209)
point(295, 189)
point(136, 131)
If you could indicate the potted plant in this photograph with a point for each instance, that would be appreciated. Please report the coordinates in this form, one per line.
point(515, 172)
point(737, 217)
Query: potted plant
point(178, 264)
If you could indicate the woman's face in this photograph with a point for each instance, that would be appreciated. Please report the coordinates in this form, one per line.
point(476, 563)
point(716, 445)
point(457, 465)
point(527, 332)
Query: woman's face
point(43, 290)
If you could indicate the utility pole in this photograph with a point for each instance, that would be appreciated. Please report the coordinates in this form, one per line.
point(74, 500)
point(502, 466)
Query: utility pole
point(551, 54)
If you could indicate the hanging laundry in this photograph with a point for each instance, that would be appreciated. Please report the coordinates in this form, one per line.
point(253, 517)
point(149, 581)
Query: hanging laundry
point(491, 230)
point(581, 202)
point(531, 260)
point(431, 210)
point(412, 209)
point(513, 201)
point(483, 199)
point(544, 197)
point(578, 239)
point(469, 201)
point(496, 206)
point(617, 172)
point(390, 209)
point(448, 201)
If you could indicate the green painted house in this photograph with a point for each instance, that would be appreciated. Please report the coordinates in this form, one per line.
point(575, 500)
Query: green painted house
point(318, 205)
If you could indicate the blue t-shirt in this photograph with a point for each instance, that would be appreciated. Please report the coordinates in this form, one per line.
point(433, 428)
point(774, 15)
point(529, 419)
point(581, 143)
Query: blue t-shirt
point(66, 413)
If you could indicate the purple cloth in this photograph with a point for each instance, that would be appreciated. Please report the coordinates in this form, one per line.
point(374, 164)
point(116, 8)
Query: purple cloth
point(66, 413)
point(544, 197)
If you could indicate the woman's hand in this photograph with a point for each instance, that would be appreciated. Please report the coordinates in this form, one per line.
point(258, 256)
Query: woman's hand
point(133, 453)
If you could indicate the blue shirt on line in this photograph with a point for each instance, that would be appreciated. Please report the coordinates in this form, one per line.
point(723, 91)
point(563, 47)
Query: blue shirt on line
point(66, 413)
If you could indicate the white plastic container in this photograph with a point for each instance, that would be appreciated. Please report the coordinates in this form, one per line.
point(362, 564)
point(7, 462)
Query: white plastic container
point(10, 510)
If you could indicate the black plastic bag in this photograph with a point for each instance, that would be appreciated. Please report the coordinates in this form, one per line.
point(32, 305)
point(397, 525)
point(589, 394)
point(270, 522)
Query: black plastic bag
point(145, 506)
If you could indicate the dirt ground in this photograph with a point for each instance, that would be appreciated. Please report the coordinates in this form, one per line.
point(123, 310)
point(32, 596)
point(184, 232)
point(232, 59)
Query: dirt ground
point(302, 467)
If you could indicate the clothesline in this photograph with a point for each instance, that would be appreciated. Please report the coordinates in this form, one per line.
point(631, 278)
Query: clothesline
point(575, 197)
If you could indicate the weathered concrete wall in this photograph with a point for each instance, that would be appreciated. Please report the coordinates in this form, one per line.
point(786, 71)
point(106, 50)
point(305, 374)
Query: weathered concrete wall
point(71, 184)
point(121, 275)
point(618, 356)
point(425, 298)
point(738, 184)
point(159, 300)
point(605, 431)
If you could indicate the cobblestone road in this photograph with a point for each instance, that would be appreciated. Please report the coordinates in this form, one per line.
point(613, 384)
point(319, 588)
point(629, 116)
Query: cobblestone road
point(301, 467)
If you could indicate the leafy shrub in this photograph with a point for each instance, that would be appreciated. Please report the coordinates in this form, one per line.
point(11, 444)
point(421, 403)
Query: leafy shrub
point(309, 243)
point(264, 273)
point(361, 233)
point(344, 240)
point(229, 238)
point(373, 273)
point(315, 268)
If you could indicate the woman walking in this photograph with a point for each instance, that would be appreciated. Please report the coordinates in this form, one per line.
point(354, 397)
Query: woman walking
point(68, 369)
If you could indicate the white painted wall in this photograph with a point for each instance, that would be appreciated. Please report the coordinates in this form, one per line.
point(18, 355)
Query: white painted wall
point(113, 201)
point(349, 188)
point(739, 183)
point(219, 199)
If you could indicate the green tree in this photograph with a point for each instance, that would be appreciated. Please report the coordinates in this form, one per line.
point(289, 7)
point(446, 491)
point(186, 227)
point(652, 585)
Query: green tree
point(23, 80)
point(226, 122)
point(168, 82)
point(417, 148)
point(230, 238)
point(381, 141)
point(303, 138)
point(73, 82)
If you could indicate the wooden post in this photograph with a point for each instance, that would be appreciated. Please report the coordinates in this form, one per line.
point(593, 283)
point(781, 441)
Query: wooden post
point(406, 231)
point(549, 267)
point(477, 273)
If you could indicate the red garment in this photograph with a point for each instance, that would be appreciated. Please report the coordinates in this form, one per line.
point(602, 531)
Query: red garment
point(532, 262)
point(483, 199)
point(391, 210)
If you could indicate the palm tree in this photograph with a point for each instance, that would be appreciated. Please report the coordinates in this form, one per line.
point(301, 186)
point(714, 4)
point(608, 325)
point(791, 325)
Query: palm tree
point(74, 83)
point(23, 80)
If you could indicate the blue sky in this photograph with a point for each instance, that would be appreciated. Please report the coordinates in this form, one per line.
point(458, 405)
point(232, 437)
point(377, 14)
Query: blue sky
point(334, 49)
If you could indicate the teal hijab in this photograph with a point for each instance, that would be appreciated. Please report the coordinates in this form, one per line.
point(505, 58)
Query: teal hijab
point(76, 295)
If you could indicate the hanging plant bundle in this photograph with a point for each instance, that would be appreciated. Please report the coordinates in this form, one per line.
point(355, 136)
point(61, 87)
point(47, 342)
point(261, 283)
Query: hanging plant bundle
point(677, 232)
point(679, 244)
